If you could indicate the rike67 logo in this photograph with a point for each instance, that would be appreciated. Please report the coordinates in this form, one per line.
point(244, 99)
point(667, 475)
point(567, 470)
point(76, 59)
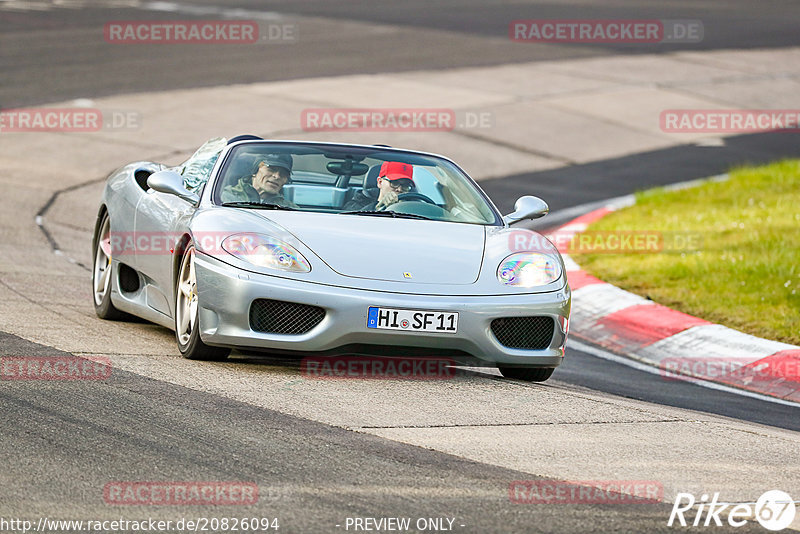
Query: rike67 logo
point(774, 510)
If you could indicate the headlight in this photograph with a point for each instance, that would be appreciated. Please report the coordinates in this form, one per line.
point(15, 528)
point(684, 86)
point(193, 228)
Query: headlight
point(266, 251)
point(528, 269)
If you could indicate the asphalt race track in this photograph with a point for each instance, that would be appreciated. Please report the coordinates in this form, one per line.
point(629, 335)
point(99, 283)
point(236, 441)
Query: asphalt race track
point(51, 55)
point(323, 451)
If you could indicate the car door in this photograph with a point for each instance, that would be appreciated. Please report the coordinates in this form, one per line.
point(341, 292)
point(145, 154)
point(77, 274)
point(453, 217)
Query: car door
point(161, 219)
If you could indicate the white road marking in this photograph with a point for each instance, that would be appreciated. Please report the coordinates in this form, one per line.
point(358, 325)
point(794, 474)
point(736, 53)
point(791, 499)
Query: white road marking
point(712, 342)
point(647, 368)
point(595, 301)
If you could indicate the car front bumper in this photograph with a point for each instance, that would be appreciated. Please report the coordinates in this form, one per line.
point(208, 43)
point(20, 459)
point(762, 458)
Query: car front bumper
point(226, 293)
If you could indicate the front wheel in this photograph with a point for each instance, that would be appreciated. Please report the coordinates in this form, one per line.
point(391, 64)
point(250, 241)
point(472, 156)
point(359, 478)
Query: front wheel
point(529, 374)
point(186, 330)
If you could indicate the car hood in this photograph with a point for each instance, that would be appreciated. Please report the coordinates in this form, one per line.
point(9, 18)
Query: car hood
point(383, 248)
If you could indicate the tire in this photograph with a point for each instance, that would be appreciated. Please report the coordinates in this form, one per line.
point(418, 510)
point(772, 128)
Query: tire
point(103, 274)
point(187, 332)
point(528, 374)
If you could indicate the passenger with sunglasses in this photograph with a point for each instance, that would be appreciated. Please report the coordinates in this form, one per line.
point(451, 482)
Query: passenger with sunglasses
point(394, 179)
point(270, 174)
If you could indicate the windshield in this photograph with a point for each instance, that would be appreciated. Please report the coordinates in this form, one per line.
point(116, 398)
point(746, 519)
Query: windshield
point(349, 180)
point(197, 169)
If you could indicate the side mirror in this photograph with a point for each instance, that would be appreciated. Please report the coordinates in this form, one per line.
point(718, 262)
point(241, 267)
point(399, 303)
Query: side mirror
point(527, 207)
point(171, 183)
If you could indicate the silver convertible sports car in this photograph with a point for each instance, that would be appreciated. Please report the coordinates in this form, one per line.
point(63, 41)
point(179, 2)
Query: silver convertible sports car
point(324, 249)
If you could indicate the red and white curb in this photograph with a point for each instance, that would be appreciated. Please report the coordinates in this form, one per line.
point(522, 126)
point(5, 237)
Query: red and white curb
point(682, 347)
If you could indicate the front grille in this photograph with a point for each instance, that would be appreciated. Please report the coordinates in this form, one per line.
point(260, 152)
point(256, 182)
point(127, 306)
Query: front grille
point(531, 333)
point(279, 317)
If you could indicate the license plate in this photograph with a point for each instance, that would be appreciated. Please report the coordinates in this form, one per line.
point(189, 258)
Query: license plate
point(412, 320)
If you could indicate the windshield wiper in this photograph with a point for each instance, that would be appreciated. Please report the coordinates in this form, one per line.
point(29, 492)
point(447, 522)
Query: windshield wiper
point(387, 213)
point(257, 205)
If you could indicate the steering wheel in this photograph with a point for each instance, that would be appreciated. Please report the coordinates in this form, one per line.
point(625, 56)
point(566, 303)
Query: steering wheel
point(406, 197)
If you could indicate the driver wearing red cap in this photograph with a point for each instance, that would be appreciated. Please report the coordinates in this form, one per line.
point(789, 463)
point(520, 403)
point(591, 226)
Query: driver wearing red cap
point(394, 179)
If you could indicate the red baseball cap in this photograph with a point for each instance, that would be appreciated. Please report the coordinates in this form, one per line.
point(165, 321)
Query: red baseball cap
point(396, 170)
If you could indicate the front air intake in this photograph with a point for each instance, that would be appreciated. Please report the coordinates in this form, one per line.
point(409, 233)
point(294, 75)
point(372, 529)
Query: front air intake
point(530, 333)
point(280, 317)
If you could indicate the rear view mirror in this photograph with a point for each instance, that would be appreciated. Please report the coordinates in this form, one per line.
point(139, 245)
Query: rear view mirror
point(347, 168)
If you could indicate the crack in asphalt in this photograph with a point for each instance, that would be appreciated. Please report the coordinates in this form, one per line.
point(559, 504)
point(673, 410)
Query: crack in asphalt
point(36, 303)
point(40, 215)
point(552, 423)
point(524, 150)
point(46, 207)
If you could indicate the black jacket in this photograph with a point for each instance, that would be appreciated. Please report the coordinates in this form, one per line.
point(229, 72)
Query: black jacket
point(361, 201)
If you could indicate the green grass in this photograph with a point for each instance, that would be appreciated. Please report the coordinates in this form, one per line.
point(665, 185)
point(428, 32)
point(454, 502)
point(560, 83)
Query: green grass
point(745, 273)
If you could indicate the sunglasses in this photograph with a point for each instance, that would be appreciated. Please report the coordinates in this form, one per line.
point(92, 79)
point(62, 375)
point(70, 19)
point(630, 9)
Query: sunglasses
point(281, 171)
point(404, 185)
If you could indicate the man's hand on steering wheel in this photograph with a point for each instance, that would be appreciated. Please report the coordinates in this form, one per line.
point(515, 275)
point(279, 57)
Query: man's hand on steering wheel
point(386, 199)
